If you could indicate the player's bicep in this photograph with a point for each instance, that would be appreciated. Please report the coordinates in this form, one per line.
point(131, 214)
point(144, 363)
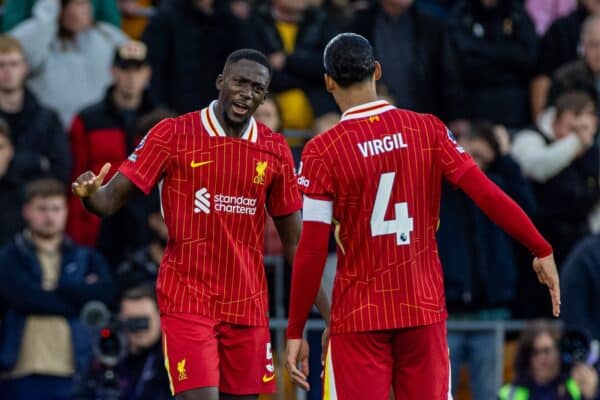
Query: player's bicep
point(148, 162)
point(317, 210)
point(314, 174)
point(284, 196)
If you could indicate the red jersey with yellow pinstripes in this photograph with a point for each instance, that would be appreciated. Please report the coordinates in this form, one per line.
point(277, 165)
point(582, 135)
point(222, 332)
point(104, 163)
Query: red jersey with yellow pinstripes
point(215, 191)
point(382, 168)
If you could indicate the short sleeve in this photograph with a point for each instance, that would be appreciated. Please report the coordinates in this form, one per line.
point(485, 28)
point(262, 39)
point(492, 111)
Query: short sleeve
point(284, 196)
point(454, 160)
point(148, 162)
point(315, 179)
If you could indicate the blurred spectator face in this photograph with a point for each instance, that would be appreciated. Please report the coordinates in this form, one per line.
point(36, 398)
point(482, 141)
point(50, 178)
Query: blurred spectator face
point(268, 114)
point(480, 150)
point(144, 307)
point(131, 81)
point(291, 6)
point(13, 70)
point(591, 45)
point(545, 361)
point(489, 3)
point(206, 6)
point(76, 16)
point(585, 124)
point(593, 6)
point(46, 216)
point(6, 154)
point(396, 6)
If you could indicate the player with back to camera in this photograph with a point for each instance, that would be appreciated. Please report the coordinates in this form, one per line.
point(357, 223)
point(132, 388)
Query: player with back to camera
point(377, 176)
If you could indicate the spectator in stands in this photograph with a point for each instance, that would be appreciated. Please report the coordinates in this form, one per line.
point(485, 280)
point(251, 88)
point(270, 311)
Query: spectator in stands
point(136, 14)
point(141, 375)
point(581, 74)
point(10, 188)
point(188, 42)
point(544, 12)
point(17, 11)
point(39, 140)
point(496, 44)
point(140, 266)
point(538, 372)
point(107, 132)
point(69, 56)
point(562, 158)
point(559, 46)
point(480, 270)
point(269, 114)
point(293, 36)
point(420, 71)
point(45, 279)
point(580, 284)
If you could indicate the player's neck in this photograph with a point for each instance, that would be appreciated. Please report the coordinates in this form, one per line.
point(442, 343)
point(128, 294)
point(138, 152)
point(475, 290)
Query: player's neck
point(355, 96)
point(231, 129)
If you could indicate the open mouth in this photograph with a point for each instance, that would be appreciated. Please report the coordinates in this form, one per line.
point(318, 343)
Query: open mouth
point(240, 108)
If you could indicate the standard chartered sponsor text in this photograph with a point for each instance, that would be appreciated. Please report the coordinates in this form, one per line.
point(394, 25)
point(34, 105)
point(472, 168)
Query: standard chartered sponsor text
point(235, 204)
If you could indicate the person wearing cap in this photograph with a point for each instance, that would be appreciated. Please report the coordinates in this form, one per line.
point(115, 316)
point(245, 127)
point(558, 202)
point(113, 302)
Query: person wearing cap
point(106, 131)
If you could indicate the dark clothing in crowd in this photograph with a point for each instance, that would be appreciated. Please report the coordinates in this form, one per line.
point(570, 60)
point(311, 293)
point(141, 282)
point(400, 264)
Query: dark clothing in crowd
point(138, 268)
point(566, 200)
point(480, 269)
point(560, 44)
point(40, 142)
point(580, 283)
point(496, 49)
point(187, 50)
point(11, 196)
point(105, 133)
point(304, 66)
point(418, 70)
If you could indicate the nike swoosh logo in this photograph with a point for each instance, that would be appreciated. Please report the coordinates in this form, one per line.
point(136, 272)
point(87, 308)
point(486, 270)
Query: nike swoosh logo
point(199, 164)
point(267, 378)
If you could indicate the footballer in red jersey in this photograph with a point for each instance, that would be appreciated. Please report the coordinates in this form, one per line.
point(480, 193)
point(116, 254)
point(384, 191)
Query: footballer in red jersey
point(218, 171)
point(377, 176)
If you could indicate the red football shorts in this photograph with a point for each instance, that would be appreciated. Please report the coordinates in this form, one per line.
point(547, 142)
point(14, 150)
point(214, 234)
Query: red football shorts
point(413, 362)
point(200, 352)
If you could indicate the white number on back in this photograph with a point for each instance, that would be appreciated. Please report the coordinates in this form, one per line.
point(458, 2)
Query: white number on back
point(402, 224)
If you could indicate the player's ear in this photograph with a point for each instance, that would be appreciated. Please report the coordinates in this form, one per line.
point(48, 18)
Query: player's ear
point(264, 97)
point(219, 82)
point(377, 73)
point(329, 83)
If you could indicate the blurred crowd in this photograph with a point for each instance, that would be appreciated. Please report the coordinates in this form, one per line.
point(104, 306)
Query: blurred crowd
point(82, 81)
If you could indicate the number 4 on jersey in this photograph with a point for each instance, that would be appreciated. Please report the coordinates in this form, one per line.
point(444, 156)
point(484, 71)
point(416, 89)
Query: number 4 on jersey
point(402, 225)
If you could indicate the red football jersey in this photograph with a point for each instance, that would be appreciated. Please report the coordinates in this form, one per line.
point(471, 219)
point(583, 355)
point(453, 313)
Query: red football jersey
point(214, 192)
point(382, 167)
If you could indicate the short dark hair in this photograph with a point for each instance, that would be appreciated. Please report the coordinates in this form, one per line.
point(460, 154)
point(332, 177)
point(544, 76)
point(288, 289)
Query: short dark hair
point(144, 291)
point(44, 188)
point(484, 130)
point(248, 54)
point(577, 102)
point(5, 129)
point(348, 58)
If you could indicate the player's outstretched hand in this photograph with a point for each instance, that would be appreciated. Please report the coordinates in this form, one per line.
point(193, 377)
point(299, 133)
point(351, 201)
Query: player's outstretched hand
point(297, 353)
point(88, 183)
point(545, 268)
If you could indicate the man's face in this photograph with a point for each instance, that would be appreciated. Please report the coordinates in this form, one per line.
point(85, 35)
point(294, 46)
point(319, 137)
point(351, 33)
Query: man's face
point(6, 154)
point(131, 81)
point(12, 71)
point(568, 122)
point(243, 87)
point(291, 6)
point(591, 46)
point(399, 5)
point(268, 114)
point(141, 308)
point(593, 6)
point(77, 16)
point(46, 216)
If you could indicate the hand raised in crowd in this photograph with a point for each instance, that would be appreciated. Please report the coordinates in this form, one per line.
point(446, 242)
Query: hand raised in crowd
point(297, 351)
point(587, 380)
point(88, 183)
point(545, 268)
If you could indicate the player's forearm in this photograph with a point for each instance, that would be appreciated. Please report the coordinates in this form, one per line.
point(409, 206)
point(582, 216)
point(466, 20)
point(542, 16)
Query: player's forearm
point(101, 203)
point(306, 275)
point(503, 211)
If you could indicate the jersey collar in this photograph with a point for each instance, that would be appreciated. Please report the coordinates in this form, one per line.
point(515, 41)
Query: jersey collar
point(214, 128)
point(367, 110)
